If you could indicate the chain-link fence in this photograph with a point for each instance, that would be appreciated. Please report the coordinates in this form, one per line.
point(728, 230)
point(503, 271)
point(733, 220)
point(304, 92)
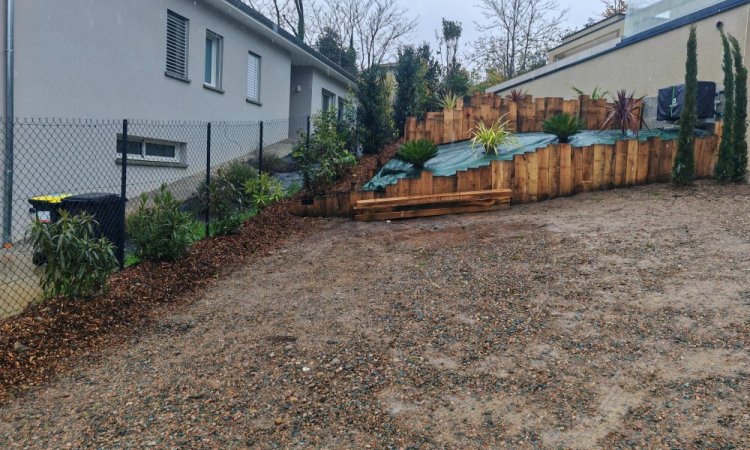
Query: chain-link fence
point(54, 164)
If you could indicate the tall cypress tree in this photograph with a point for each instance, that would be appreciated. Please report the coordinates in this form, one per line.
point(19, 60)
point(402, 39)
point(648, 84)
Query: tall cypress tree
point(683, 171)
point(725, 165)
point(740, 113)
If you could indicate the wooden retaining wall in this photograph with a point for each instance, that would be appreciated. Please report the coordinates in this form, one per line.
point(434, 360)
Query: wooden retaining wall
point(527, 116)
point(554, 171)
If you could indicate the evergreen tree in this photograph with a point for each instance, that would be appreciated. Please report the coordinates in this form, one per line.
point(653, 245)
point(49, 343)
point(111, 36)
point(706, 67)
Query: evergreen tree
point(740, 113)
point(375, 116)
point(432, 77)
point(331, 45)
point(683, 171)
point(411, 91)
point(724, 166)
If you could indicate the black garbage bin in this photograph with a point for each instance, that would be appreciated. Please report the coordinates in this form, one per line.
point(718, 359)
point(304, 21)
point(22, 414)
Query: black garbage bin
point(104, 207)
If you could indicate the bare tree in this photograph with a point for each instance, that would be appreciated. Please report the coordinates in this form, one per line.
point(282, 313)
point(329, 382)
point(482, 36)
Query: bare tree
point(518, 33)
point(382, 28)
point(288, 13)
point(614, 7)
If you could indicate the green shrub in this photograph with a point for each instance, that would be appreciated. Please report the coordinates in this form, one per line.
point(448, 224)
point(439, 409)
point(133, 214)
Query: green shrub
point(449, 101)
point(160, 232)
point(78, 264)
point(724, 170)
point(563, 126)
point(683, 169)
point(230, 224)
point(490, 138)
point(227, 189)
point(264, 190)
point(375, 118)
point(740, 113)
point(417, 152)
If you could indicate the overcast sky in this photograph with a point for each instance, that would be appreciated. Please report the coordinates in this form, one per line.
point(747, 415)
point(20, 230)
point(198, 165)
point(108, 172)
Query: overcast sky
point(465, 11)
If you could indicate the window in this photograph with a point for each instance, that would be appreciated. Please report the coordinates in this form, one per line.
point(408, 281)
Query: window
point(342, 108)
point(253, 78)
point(329, 100)
point(177, 46)
point(152, 149)
point(214, 50)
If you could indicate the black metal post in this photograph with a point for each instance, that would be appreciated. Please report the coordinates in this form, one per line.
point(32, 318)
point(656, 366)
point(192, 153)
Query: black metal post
point(260, 148)
point(307, 136)
point(208, 180)
point(120, 250)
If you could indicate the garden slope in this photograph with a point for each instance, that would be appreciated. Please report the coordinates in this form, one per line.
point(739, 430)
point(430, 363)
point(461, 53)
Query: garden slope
point(610, 319)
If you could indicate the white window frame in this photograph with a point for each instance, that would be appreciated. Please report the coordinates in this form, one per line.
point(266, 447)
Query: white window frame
point(186, 44)
point(330, 95)
point(217, 59)
point(179, 149)
point(259, 59)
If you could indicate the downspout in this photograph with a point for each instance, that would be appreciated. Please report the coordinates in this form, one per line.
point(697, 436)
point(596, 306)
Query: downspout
point(9, 90)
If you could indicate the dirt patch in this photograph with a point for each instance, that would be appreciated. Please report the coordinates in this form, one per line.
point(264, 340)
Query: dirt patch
point(574, 323)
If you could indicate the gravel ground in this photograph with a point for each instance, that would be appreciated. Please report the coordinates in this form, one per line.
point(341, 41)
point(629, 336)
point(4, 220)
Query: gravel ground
point(610, 319)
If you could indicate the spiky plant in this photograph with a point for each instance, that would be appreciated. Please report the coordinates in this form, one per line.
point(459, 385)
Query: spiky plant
point(724, 170)
point(417, 152)
point(740, 113)
point(490, 138)
point(516, 95)
point(596, 94)
point(624, 112)
point(449, 101)
point(683, 170)
point(563, 126)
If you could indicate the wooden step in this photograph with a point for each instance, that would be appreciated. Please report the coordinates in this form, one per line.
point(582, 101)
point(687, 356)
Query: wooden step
point(431, 205)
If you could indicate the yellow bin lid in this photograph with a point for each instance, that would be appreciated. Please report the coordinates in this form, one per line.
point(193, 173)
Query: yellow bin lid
point(52, 198)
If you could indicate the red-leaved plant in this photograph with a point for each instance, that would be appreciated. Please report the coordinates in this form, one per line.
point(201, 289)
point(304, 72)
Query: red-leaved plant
point(625, 112)
point(516, 95)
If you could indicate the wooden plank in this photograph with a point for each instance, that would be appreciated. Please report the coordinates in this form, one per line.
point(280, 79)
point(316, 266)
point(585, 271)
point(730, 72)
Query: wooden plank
point(654, 159)
point(665, 161)
point(631, 174)
point(430, 212)
point(444, 185)
point(485, 177)
point(588, 165)
point(542, 159)
point(539, 104)
point(643, 154)
point(597, 174)
point(468, 180)
point(554, 170)
point(520, 183)
point(621, 158)
point(577, 169)
point(566, 166)
point(532, 176)
point(492, 194)
point(608, 181)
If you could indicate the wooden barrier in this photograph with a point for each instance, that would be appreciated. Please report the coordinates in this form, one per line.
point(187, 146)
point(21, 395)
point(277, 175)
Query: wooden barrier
point(556, 170)
point(525, 116)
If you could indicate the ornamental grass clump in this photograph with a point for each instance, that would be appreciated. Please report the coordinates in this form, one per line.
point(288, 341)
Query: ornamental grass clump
point(491, 138)
point(625, 113)
point(417, 153)
point(78, 262)
point(449, 101)
point(563, 126)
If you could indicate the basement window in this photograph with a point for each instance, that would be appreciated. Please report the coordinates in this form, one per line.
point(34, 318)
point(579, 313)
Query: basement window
point(157, 150)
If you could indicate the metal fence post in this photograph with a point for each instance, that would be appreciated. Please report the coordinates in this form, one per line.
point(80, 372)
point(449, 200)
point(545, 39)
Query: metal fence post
point(208, 180)
point(120, 251)
point(260, 148)
point(307, 136)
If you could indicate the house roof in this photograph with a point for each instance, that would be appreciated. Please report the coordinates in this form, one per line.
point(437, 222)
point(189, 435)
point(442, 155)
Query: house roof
point(278, 35)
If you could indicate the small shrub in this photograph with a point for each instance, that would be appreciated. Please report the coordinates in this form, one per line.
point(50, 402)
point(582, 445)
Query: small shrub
point(417, 152)
point(563, 126)
point(625, 112)
point(264, 190)
point(516, 95)
point(375, 118)
point(78, 264)
point(227, 189)
point(490, 138)
point(161, 232)
point(230, 224)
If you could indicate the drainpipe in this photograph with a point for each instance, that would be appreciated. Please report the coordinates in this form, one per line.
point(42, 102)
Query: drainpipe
point(9, 90)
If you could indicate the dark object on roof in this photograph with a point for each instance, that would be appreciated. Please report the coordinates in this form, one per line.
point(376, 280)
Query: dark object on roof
point(672, 99)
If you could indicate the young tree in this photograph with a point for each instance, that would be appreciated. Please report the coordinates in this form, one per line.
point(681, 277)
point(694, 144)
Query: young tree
point(411, 86)
point(725, 165)
point(329, 43)
point(740, 113)
point(517, 32)
point(375, 116)
point(450, 38)
point(683, 170)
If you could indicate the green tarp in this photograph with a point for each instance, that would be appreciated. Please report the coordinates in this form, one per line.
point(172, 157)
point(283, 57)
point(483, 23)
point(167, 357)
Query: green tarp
point(461, 156)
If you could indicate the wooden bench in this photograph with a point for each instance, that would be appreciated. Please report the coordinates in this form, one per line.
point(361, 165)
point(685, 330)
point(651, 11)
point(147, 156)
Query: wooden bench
point(431, 205)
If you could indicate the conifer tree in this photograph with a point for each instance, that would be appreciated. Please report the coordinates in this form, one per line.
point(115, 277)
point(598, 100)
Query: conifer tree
point(725, 165)
point(683, 171)
point(739, 127)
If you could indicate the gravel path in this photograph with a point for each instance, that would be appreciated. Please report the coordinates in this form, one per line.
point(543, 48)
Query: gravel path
point(610, 319)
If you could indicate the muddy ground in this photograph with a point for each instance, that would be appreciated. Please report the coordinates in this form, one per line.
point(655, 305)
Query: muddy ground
point(610, 319)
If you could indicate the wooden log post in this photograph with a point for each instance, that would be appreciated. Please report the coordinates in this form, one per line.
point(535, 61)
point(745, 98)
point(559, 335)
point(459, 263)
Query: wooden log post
point(566, 172)
point(520, 183)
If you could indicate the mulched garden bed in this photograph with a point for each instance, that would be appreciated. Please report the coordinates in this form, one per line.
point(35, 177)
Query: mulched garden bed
point(49, 337)
point(364, 171)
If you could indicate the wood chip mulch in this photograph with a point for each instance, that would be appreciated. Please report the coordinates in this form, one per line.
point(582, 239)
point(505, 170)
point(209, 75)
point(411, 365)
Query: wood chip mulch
point(50, 337)
point(364, 170)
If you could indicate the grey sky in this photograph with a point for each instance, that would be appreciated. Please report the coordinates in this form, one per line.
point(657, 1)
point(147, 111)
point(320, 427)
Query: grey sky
point(432, 11)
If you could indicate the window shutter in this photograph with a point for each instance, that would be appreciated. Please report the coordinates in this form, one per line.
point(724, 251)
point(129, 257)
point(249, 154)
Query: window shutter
point(253, 77)
point(177, 44)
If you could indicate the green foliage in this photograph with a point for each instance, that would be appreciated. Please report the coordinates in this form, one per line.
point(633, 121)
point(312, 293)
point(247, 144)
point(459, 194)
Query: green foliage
point(325, 160)
point(78, 264)
point(230, 224)
point(724, 170)
point(264, 190)
point(683, 170)
point(596, 94)
point(160, 232)
point(227, 189)
point(417, 152)
point(331, 45)
point(563, 126)
point(457, 80)
point(375, 118)
point(740, 113)
point(449, 101)
point(491, 138)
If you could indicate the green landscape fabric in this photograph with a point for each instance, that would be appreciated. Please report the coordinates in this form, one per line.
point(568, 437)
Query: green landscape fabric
point(461, 156)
